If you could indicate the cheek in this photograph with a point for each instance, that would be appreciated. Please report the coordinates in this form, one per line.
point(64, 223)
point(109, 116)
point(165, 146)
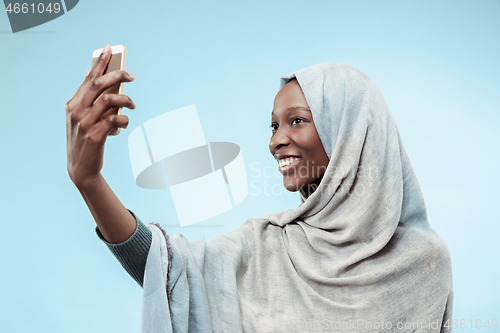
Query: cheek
point(316, 153)
point(306, 136)
point(312, 144)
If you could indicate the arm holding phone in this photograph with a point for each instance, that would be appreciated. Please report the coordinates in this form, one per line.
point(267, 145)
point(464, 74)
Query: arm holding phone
point(88, 124)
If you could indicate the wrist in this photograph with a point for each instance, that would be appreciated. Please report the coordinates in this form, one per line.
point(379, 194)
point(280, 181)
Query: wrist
point(89, 183)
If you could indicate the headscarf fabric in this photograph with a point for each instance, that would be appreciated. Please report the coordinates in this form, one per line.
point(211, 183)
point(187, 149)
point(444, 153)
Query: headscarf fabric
point(357, 255)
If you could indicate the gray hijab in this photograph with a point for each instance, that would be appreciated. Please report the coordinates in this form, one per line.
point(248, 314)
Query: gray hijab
point(357, 255)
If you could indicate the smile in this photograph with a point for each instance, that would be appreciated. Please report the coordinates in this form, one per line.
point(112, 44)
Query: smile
point(288, 163)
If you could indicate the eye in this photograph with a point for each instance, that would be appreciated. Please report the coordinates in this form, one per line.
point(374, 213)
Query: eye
point(274, 127)
point(296, 120)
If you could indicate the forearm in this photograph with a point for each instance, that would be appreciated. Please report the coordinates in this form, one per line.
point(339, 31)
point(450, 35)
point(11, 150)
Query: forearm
point(114, 221)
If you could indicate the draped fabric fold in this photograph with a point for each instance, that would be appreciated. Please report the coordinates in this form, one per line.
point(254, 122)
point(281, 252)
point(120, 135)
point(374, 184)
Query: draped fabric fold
point(357, 255)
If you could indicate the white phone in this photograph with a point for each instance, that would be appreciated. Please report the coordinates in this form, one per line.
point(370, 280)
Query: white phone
point(117, 62)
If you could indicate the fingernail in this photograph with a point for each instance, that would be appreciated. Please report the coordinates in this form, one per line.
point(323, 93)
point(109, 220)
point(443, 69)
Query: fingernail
point(132, 76)
point(106, 49)
point(133, 105)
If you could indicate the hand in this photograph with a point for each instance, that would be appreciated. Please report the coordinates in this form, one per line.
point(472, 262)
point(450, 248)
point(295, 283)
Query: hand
point(90, 119)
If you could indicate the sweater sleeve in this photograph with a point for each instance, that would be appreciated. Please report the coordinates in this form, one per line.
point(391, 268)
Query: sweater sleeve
point(132, 253)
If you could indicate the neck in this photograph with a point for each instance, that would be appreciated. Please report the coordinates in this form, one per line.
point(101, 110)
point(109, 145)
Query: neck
point(309, 189)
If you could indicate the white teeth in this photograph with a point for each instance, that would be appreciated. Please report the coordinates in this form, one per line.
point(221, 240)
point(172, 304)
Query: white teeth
point(286, 161)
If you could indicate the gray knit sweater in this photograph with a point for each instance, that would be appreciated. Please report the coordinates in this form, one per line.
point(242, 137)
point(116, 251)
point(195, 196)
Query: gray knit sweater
point(133, 252)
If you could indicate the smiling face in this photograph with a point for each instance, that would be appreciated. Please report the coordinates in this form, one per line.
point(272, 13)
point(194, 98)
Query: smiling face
point(295, 143)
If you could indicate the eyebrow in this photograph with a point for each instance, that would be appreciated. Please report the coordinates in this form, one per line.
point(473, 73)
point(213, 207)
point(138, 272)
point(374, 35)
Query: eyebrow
point(294, 108)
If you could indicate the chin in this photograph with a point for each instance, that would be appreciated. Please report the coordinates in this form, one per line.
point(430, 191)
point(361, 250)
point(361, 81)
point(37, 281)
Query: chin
point(291, 186)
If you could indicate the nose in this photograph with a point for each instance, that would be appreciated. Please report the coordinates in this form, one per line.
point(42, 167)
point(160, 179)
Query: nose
point(278, 140)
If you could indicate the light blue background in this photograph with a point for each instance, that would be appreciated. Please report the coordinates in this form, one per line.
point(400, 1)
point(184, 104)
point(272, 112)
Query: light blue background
point(437, 64)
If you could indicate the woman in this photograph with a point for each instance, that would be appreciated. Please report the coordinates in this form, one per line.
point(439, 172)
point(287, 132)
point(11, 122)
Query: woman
point(357, 255)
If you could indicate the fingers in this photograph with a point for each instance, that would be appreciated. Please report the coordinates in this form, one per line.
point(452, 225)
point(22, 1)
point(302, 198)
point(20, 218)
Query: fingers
point(72, 106)
point(96, 71)
point(104, 104)
point(107, 126)
point(96, 86)
point(86, 108)
point(101, 63)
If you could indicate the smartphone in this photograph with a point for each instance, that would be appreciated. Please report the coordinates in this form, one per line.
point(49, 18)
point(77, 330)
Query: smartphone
point(117, 62)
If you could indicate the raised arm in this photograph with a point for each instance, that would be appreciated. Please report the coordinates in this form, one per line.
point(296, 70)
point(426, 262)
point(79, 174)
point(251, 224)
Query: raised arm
point(89, 120)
